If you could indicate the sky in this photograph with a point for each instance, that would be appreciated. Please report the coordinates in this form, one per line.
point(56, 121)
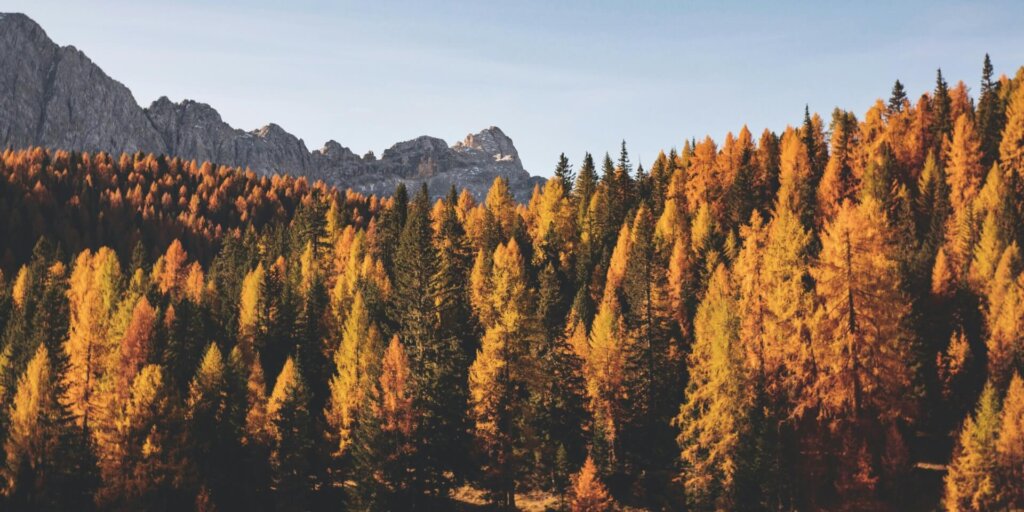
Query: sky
point(556, 76)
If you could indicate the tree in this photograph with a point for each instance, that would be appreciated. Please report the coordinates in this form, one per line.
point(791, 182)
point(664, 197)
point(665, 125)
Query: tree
point(898, 98)
point(971, 481)
point(92, 296)
point(652, 354)
point(293, 455)
point(964, 172)
point(356, 365)
point(942, 110)
point(860, 338)
point(990, 116)
point(1011, 147)
point(796, 185)
point(500, 377)
point(430, 311)
point(713, 419)
point(385, 438)
point(586, 184)
point(563, 171)
point(588, 492)
point(215, 415)
point(1010, 445)
point(47, 465)
point(150, 469)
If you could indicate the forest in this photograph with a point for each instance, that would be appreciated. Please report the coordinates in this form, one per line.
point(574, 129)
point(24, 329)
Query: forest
point(830, 317)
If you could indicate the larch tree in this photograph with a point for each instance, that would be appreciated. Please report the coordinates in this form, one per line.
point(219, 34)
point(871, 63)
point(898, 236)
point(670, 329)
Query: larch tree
point(588, 492)
point(1011, 147)
point(860, 339)
point(356, 363)
point(796, 183)
point(971, 480)
point(713, 419)
point(500, 377)
point(293, 454)
point(47, 464)
point(1010, 446)
point(92, 297)
point(605, 367)
point(150, 468)
point(964, 172)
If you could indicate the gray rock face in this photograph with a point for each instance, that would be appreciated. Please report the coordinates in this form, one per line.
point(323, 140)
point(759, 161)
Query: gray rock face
point(56, 97)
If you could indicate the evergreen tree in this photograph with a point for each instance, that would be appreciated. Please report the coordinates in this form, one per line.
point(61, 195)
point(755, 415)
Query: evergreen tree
point(990, 116)
point(898, 98)
point(942, 113)
point(215, 415)
point(586, 184)
point(563, 171)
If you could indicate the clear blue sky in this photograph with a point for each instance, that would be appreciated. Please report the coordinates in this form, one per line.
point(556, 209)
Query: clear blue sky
point(556, 76)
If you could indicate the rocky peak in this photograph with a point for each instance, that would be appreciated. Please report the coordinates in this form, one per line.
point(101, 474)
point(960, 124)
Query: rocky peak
point(56, 97)
point(491, 141)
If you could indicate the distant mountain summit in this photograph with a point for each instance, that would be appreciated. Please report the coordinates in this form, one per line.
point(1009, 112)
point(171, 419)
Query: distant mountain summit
point(56, 97)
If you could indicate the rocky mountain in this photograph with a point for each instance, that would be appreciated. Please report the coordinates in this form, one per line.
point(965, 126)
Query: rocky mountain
point(56, 97)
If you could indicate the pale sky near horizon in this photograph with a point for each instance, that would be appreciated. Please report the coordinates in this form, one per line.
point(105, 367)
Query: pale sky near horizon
point(568, 76)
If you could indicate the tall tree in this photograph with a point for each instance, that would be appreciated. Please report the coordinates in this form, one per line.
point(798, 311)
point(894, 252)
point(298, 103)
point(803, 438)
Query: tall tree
point(971, 481)
point(990, 116)
point(860, 337)
point(47, 466)
point(713, 420)
point(501, 376)
point(293, 455)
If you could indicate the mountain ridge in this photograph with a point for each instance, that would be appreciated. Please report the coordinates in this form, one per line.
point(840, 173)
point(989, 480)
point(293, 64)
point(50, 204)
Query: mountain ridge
point(55, 96)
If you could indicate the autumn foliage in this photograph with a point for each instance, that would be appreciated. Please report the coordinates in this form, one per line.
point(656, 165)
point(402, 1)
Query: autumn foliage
point(825, 317)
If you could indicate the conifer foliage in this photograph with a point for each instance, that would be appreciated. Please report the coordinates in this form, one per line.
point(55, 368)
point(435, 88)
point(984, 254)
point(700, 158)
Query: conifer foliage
point(827, 317)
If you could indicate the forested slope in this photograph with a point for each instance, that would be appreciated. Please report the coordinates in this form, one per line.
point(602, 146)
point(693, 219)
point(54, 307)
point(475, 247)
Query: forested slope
point(826, 317)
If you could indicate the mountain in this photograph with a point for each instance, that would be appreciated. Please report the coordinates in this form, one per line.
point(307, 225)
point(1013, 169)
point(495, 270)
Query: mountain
point(55, 96)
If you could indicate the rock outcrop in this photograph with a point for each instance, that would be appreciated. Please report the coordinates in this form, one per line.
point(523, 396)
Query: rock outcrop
point(56, 97)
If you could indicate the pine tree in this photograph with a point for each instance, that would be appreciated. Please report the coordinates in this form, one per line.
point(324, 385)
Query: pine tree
point(385, 443)
point(215, 415)
point(990, 115)
point(942, 111)
point(898, 98)
point(586, 184)
point(652, 354)
point(563, 171)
